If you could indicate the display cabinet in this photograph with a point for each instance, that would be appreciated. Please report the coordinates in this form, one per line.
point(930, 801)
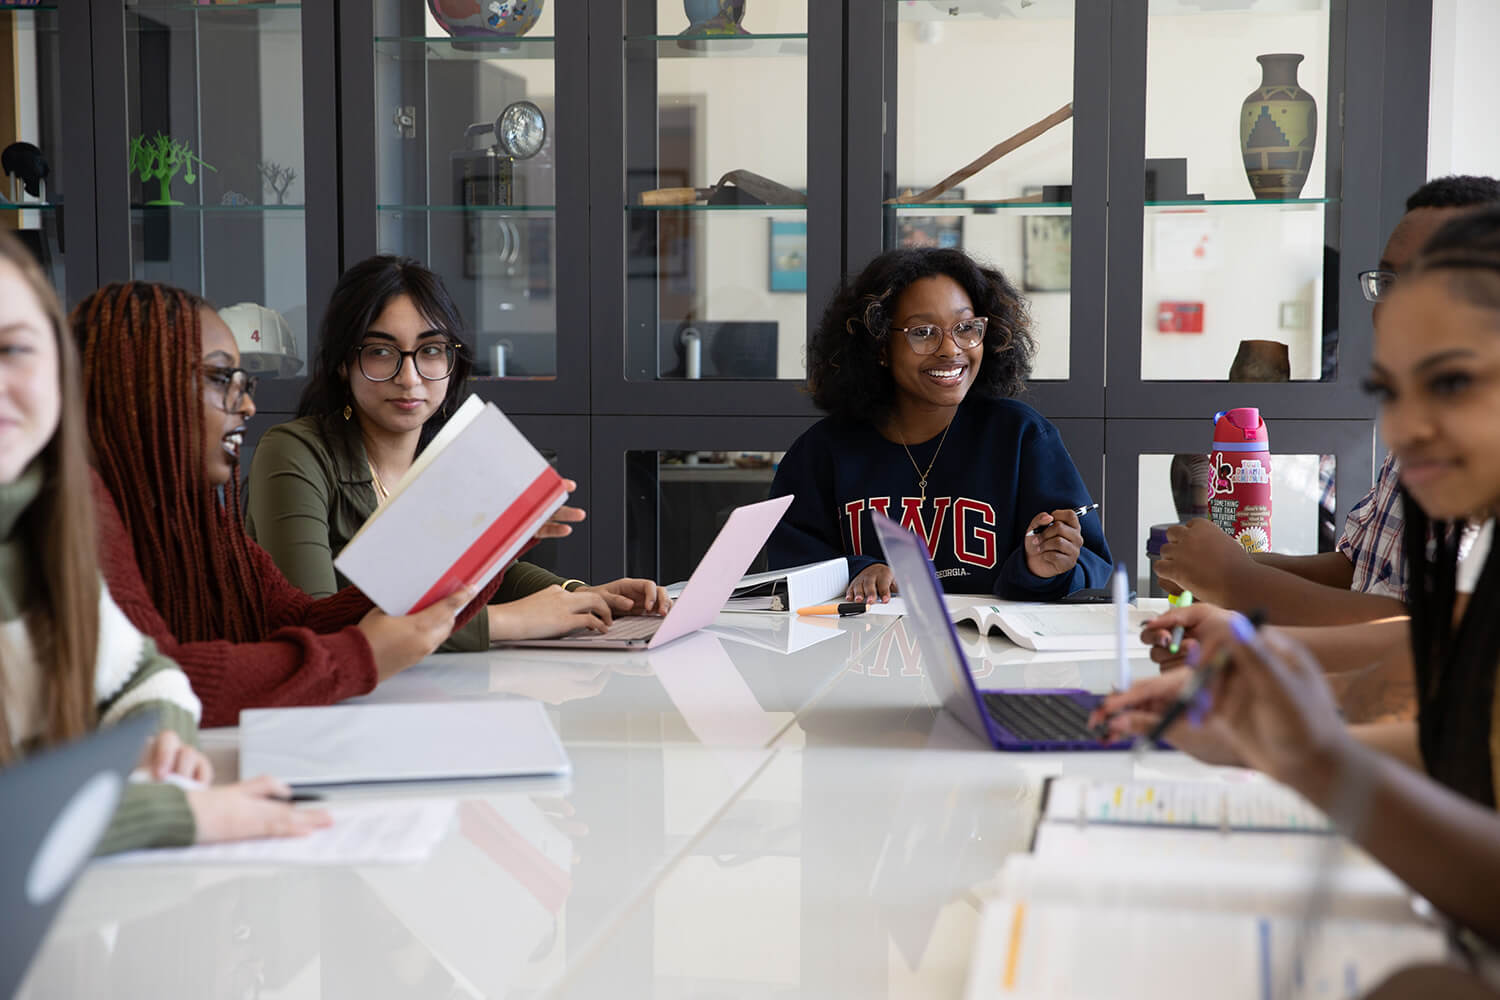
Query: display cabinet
point(472, 127)
point(46, 152)
point(208, 176)
point(643, 206)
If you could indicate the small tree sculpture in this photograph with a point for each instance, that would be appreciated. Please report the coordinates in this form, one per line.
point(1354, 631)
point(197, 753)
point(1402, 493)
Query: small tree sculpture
point(160, 158)
point(280, 178)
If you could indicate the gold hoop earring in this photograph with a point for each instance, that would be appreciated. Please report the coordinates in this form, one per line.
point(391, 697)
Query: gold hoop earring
point(348, 411)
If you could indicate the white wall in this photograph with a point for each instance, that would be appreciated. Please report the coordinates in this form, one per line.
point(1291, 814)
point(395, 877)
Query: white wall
point(1461, 133)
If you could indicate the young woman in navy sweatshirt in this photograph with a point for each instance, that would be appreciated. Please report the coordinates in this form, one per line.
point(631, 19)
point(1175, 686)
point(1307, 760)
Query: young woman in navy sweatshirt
point(916, 362)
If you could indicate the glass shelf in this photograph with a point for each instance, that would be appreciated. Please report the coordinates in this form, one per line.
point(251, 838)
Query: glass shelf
point(28, 206)
point(1238, 202)
point(226, 209)
point(444, 48)
point(489, 209)
point(722, 46)
point(715, 208)
point(205, 7)
point(27, 6)
point(977, 207)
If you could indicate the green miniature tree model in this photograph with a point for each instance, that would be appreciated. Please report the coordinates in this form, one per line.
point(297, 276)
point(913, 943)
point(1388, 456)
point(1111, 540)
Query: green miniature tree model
point(160, 158)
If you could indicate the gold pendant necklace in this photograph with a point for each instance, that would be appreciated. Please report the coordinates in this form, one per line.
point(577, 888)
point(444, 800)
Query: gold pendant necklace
point(381, 493)
point(922, 473)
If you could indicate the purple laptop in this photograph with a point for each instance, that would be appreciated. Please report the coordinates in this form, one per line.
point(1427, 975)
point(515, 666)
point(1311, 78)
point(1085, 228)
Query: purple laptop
point(1019, 719)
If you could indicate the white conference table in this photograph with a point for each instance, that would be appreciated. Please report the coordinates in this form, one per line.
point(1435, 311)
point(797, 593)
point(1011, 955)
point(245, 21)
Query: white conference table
point(741, 821)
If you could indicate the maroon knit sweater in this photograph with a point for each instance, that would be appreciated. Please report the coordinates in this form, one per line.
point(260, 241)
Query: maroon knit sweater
point(312, 653)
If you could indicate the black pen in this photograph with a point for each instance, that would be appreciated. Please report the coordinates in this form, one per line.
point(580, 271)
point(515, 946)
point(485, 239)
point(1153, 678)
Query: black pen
point(1202, 678)
point(1080, 511)
point(299, 797)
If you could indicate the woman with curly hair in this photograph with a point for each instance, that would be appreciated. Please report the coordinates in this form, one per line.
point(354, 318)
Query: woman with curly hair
point(916, 362)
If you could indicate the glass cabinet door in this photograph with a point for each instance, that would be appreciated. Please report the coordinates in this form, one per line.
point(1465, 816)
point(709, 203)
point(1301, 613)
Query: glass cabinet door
point(213, 98)
point(1013, 66)
point(32, 184)
point(1240, 256)
point(465, 167)
point(716, 167)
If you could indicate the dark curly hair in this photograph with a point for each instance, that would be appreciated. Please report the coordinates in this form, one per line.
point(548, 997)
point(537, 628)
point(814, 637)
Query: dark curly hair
point(844, 373)
point(1454, 191)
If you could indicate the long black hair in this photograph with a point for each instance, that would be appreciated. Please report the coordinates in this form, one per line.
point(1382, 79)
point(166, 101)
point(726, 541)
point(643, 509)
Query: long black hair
point(361, 295)
point(1455, 666)
point(844, 372)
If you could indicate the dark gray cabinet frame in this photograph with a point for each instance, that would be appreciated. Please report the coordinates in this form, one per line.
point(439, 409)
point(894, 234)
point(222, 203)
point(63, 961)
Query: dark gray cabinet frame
point(592, 414)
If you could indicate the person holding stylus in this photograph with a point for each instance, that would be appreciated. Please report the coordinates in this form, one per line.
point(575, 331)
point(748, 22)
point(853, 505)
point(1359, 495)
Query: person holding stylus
point(1420, 796)
point(915, 361)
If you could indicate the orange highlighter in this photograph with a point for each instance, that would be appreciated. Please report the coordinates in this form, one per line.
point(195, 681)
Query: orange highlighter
point(842, 610)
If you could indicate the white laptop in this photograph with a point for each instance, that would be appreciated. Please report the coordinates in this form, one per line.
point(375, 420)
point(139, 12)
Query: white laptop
point(350, 744)
point(714, 579)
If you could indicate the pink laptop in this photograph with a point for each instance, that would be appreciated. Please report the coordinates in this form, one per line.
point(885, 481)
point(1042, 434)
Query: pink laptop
point(702, 598)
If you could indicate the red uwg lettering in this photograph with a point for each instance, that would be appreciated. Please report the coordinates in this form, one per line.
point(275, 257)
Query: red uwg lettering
point(912, 520)
point(975, 540)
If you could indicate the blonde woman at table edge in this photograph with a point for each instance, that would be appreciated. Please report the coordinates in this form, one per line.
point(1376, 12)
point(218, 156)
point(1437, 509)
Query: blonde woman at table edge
point(390, 369)
point(1418, 796)
point(69, 660)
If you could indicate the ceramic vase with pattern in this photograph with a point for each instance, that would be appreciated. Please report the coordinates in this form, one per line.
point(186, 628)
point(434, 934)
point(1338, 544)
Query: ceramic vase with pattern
point(714, 17)
point(1278, 129)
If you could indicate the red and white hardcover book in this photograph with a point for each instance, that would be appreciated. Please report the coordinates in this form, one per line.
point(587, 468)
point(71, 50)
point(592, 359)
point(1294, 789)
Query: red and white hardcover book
point(462, 512)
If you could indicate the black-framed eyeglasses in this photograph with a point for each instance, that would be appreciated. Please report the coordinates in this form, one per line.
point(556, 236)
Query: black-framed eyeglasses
point(235, 385)
point(382, 362)
point(1376, 285)
point(927, 338)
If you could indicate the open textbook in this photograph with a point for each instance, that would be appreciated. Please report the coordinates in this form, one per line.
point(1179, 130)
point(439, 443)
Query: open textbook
point(1167, 889)
point(461, 513)
point(1051, 626)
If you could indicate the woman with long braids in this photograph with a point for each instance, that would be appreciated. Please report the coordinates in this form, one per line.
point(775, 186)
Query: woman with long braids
point(69, 660)
point(390, 369)
point(1420, 796)
point(916, 361)
point(167, 404)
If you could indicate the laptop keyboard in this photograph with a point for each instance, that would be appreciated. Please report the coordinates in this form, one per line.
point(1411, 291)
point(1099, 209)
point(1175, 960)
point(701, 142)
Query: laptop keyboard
point(632, 627)
point(1039, 716)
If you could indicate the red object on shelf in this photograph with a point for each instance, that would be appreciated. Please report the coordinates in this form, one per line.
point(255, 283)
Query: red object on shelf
point(1179, 317)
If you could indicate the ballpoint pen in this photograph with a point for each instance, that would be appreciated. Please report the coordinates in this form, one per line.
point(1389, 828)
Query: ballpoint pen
point(1080, 511)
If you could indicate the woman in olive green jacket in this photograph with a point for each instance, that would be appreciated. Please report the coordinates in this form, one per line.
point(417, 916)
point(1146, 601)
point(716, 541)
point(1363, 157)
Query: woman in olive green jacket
point(390, 369)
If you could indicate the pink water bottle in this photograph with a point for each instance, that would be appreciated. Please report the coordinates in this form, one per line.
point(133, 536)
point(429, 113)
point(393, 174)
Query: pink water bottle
point(1239, 493)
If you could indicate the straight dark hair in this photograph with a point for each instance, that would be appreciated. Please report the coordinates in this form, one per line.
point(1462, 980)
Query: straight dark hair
point(1455, 665)
point(361, 295)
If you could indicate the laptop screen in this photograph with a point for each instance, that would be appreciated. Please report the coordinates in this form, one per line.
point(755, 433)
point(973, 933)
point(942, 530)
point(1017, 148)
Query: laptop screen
point(947, 668)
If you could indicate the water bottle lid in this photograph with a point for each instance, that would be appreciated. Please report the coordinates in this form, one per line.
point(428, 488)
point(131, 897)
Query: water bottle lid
point(1238, 425)
point(1156, 539)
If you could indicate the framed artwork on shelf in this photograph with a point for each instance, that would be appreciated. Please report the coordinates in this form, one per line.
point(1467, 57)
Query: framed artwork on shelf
point(788, 264)
point(1047, 253)
point(659, 244)
point(946, 231)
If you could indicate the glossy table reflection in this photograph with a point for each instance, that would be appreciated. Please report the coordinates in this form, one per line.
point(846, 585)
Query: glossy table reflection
point(768, 807)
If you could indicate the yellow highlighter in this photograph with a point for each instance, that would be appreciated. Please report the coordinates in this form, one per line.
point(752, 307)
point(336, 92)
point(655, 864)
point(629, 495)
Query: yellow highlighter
point(1182, 600)
point(843, 610)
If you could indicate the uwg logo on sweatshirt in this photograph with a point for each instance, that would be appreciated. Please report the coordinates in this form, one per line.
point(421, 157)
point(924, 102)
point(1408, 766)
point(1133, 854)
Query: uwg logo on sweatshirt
point(969, 525)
